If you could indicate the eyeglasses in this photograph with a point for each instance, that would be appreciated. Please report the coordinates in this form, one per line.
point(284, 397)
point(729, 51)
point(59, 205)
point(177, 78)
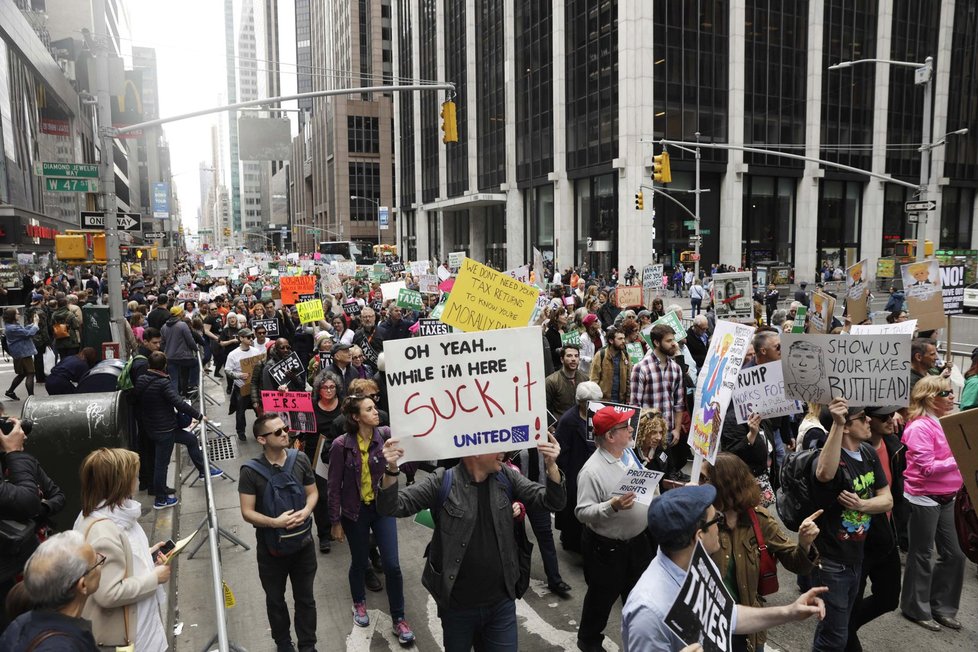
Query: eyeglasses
point(945, 393)
point(99, 561)
point(276, 433)
point(719, 519)
point(329, 388)
point(247, 337)
point(358, 357)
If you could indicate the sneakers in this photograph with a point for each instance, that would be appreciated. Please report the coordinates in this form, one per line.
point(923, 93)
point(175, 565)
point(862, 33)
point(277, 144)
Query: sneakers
point(215, 472)
point(166, 501)
point(403, 631)
point(360, 617)
point(11, 395)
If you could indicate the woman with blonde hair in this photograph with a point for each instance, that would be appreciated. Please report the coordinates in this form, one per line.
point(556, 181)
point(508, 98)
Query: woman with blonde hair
point(931, 593)
point(125, 610)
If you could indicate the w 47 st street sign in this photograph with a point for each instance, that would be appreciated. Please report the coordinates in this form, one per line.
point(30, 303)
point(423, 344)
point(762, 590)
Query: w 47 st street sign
point(124, 221)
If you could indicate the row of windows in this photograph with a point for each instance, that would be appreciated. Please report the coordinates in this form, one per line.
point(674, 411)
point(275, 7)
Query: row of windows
point(430, 127)
point(534, 90)
point(457, 154)
point(364, 182)
point(490, 93)
point(363, 134)
point(405, 104)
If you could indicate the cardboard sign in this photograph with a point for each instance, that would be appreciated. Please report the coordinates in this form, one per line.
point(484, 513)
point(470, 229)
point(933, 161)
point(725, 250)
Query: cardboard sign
point(390, 290)
point(760, 390)
point(635, 352)
point(428, 284)
point(292, 286)
point(286, 369)
point(332, 284)
point(900, 328)
point(732, 297)
point(798, 326)
point(703, 610)
point(248, 366)
point(952, 288)
point(295, 407)
point(715, 384)
point(865, 369)
point(961, 431)
point(466, 393)
point(521, 274)
point(429, 327)
point(672, 320)
point(270, 326)
point(482, 299)
point(823, 309)
point(352, 308)
point(455, 261)
point(652, 277)
point(310, 311)
point(409, 299)
point(628, 295)
point(925, 300)
point(857, 291)
point(640, 481)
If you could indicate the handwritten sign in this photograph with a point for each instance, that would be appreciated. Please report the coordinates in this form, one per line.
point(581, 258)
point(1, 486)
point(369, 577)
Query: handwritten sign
point(760, 390)
point(293, 286)
point(521, 274)
point(466, 393)
point(865, 369)
point(703, 610)
point(642, 482)
point(899, 328)
point(455, 261)
point(188, 295)
point(715, 384)
point(248, 366)
point(270, 326)
point(419, 267)
point(628, 295)
point(952, 289)
point(409, 299)
point(925, 300)
point(482, 299)
point(823, 310)
point(857, 291)
point(652, 277)
point(390, 290)
point(428, 284)
point(310, 311)
point(732, 296)
point(295, 407)
point(286, 369)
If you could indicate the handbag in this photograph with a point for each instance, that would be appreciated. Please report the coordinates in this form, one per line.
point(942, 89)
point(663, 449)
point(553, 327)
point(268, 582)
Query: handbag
point(14, 535)
point(767, 581)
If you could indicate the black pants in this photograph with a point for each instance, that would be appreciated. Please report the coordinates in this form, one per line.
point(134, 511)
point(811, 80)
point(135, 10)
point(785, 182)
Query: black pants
point(884, 573)
point(611, 569)
point(39, 374)
point(300, 570)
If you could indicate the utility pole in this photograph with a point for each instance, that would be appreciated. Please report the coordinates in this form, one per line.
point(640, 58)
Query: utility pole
point(696, 231)
point(924, 76)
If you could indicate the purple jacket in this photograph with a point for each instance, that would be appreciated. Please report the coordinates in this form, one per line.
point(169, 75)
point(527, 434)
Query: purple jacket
point(343, 498)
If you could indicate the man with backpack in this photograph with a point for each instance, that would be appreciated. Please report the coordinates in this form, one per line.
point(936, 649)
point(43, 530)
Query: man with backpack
point(277, 493)
point(135, 367)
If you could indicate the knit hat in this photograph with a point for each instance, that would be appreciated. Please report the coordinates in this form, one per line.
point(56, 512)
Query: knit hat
point(176, 311)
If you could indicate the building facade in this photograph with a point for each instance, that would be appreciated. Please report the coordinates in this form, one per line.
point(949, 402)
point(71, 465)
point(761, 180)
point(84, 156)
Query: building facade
point(561, 106)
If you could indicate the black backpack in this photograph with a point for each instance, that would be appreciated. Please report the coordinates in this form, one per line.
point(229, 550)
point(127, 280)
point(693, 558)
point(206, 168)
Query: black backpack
point(282, 493)
point(794, 499)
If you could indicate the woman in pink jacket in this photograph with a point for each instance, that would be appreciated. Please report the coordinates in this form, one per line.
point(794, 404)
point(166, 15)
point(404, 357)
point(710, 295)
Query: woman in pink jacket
point(931, 593)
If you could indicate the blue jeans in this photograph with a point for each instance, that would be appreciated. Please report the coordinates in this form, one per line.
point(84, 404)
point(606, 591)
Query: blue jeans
point(164, 448)
point(832, 632)
point(358, 536)
point(779, 450)
point(183, 374)
point(694, 306)
point(493, 626)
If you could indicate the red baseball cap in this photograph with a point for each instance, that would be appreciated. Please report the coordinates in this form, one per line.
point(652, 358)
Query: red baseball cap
point(608, 417)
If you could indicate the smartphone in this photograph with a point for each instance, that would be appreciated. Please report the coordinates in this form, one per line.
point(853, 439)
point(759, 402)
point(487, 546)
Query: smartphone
point(167, 547)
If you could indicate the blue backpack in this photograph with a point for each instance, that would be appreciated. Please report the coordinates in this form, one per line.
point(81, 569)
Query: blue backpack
point(282, 493)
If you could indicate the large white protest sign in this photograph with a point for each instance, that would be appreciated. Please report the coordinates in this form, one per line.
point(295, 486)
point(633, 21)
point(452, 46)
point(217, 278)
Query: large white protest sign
point(455, 260)
point(864, 369)
point(760, 390)
point(466, 393)
point(641, 482)
point(900, 328)
point(952, 288)
point(652, 277)
point(428, 284)
point(419, 267)
point(389, 290)
point(703, 610)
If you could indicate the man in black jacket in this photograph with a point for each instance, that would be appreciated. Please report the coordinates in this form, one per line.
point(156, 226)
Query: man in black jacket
point(158, 315)
point(147, 447)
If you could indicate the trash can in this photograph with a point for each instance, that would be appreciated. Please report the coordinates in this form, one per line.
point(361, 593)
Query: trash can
point(103, 377)
point(66, 429)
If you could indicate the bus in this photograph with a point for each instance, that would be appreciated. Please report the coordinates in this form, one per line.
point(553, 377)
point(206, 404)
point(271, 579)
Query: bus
point(359, 251)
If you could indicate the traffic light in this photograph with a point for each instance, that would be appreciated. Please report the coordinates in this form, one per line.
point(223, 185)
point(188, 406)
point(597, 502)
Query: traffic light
point(70, 247)
point(98, 247)
point(227, 232)
point(639, 201)
point(448, 124)
point(661, 171)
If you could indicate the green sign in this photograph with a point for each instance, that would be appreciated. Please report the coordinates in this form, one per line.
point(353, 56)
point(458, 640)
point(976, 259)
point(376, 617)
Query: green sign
point(704, 232)
point(410, 299)
point(70, 170)
point(573, 337)
point(635, 352)
point(671, 319)
point(378, 272)
point(690, 224)
point(799, 324)
point(71, 185)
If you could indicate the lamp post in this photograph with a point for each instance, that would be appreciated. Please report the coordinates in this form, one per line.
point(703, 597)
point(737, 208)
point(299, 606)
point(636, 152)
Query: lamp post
point(375, 203)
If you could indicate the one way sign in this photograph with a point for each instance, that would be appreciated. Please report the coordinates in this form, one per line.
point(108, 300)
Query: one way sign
point(124, 221)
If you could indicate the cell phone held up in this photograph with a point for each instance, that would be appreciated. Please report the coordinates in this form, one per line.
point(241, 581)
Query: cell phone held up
point(167, 548)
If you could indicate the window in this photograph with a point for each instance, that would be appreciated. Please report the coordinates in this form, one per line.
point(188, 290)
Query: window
point(538, 213)
point(957, 209)
point(962, 151)
point(363, 134)
point(839, 222)
point(495, 225)
point(490, 93)
point(895, 226)
point(534, 91)
point(457, 154)
point(364, 182)
point(769, 220)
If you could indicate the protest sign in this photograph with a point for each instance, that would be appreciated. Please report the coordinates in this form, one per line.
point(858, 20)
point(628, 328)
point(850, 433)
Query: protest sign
point(306, 297)
point(270, 326)
point(652, 277)
point(253, 270)
point(286, 369)
point(346, 268)
point(703, 610)
point(218, 291)
point(798, 326)
point(672, 320)
point(732, 296)
point(961, 431)
point(188, 295)
point(857, 291)
point(541, 278)
point(922, 286)
point(952, 288)
point(466, 393)
point(823, 310)
point(885, 268)
point(310, 311)
point(865, 369)
point(594, 406)
point(184, 279)
point(331, 284)
point(428, 327)
point(428, 284)
point(628, 295)
point(760, 390)
point(352, 308)
point(378, 272)
point(409, 299)
point(455, 261)
point(521, 274)
point(642, 482)
point(572, 337)
point(900, 328)
point(447, 284)
point(442, 273)
point(715, 384)
point(293, 286)
point(482, 299)
point(395, 268)
point(295, 407)
point(390, 290)
point(635, 352)
point(248, 366)
point(419, 267)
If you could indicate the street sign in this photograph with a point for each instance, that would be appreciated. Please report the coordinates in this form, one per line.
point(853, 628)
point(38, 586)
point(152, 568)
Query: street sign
point(70, 185)
point(96, 220)
point(128, 221)
point(70, 170)
point(93, 219)
point(920, 206)
point(383, 215)
point(912, 218)
point(151, 235)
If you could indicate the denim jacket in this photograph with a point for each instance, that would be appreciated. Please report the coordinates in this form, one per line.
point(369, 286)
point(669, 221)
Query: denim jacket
point(456, 521)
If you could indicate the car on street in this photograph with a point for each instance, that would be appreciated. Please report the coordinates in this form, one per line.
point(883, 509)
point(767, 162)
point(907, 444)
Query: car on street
point(971, 297)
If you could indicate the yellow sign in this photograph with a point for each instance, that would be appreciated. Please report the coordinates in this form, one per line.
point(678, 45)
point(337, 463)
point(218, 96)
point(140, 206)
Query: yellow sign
point(229, 600)
point(310, 311)
point(483, 299)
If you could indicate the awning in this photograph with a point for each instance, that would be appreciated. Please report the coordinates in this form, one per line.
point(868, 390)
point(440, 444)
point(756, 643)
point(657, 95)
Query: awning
point(465, 202)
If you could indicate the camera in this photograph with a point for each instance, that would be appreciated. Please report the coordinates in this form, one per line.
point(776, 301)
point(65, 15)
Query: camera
point(7, 425)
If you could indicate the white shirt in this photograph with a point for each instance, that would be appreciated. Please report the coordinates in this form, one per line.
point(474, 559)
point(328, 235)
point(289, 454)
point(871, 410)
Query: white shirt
point(233, 363)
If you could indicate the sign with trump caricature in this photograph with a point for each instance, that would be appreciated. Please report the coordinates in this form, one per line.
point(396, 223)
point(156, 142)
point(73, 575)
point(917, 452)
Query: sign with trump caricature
point(925, 300)
point(857, 291)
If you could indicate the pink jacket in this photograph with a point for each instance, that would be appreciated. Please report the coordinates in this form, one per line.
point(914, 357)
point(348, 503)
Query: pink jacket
point(931, 468)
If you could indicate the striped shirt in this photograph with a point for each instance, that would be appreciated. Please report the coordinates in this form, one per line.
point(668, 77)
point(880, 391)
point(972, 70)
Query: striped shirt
point(658, 385)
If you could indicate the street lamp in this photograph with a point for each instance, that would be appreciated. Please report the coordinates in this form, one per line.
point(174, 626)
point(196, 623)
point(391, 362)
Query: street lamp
point(923, 76)
point(375, 203)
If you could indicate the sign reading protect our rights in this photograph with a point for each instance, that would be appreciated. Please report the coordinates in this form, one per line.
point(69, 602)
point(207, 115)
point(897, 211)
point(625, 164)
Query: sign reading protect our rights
point(466, 393)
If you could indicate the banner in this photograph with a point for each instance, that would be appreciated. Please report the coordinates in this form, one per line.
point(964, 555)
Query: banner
point(641, 482)
point(429, 327)
point(925, 301)
point(482, 299)
point(292, 286)
point(466, 393)
point(409, 299)
point(732, 297)
point(857, 291)
point(652, 277)
point(428, 284)
point(310, 311)
point(952, 289)
point(865, 369)
point(715, 384)
point(270, 326)
point(628, 295)
point(760, 390)
point(823, 310)
point(703, 610)
point(961, 431)
point(284, 370)
point(295, 407)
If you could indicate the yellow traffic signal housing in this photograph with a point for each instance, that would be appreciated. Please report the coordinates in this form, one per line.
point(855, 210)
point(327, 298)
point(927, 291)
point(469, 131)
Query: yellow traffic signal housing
point(227, 232)
point(661, 171)
point(70, 247)
point(448, 124)
point(639, 201)
point(154, 253)
point(98, 247)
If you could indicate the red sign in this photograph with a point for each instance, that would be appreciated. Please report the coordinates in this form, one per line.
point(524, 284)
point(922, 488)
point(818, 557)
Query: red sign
point(42, 232)
point(55, 127)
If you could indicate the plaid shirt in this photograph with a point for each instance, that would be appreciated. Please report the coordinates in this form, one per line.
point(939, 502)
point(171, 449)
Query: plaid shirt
point(659, 387)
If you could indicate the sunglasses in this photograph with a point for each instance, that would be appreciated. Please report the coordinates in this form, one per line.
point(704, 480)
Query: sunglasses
point(719, 519)
point(945, 393)
point(276, 433)
point(247, 337)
